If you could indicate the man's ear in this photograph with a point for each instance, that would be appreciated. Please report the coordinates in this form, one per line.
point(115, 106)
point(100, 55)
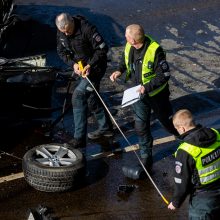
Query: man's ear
point(182, 129)
point(133, 41)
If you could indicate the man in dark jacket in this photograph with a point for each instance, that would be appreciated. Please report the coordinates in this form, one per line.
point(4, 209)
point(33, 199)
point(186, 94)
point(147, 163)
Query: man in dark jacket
point(81, 46)
point(197, 168)
point(145, 63)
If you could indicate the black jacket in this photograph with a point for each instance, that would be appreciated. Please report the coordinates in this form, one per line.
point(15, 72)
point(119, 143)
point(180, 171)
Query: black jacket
point(186, 177)
point(160, 66)
point(85, 45)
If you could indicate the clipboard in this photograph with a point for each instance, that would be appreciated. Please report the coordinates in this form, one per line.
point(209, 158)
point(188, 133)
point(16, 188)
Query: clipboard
point(130, 96)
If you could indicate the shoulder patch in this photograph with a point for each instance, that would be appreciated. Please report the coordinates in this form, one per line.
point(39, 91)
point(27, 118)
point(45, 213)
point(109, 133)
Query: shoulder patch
point(178, 163)
point(178, 169)
point(98, 38)
point(178, 180)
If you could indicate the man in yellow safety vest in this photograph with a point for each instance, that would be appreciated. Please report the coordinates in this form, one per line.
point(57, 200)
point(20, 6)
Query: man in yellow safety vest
point(197, 168)
point(145, 63)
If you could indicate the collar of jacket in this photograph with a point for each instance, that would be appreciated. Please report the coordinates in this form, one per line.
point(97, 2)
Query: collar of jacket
point(199, 136)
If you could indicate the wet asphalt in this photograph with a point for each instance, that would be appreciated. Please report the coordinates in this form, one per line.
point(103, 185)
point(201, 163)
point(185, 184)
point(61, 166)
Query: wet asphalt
point(190, 32)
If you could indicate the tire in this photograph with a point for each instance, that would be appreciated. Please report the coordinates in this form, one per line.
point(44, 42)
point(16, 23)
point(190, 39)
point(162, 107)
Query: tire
point(53, 167)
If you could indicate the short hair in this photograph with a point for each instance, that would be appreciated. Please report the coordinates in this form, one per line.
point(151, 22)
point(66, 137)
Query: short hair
point(136, 31)
point(183, 117)
point(63, 19)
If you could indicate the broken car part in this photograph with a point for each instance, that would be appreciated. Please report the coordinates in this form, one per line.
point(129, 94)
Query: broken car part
point(39, 213)
point(126, 188)
point(134, 172)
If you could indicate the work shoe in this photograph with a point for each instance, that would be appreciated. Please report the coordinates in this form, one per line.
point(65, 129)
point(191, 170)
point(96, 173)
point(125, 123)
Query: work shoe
point(99, 134)
point(77, 143)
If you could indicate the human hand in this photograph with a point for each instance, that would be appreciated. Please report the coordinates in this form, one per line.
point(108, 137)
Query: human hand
point(76, 69)
point(115, 75)
point(86, 70)
point(141, 90)
point(171, 206)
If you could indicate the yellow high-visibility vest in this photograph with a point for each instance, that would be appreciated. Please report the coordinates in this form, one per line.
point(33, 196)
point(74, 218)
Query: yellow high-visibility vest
point(147, 70)
point(207, 160)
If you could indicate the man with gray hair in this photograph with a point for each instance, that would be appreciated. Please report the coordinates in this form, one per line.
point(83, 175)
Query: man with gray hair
point(81, 47)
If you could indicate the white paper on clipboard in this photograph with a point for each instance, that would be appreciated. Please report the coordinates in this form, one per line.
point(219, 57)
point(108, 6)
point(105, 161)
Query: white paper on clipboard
point(130, 96)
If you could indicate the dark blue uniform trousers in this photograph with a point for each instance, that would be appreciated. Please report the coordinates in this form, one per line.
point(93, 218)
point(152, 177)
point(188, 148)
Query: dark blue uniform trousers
point(205, 206)
point(163, 111)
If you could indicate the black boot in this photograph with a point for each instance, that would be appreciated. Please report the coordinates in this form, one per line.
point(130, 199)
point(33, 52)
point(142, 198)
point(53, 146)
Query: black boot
point(77, 143)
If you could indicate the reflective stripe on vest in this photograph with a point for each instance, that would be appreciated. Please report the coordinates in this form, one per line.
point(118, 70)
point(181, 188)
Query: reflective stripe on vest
point(207, 160)
point(147, 70)
point(211, 178)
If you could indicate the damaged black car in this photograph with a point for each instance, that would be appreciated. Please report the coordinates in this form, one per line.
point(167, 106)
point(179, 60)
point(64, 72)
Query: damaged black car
point(26, 82)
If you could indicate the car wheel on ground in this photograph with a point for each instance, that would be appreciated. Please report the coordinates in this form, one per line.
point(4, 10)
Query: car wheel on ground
point(53, 167)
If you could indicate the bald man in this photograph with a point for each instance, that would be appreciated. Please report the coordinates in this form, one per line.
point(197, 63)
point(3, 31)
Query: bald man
point(197, 168)
point(145, 63)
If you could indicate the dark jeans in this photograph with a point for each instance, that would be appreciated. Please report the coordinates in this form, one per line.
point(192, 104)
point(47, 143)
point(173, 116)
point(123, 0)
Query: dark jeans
point(84, 98)
point(162, 108)
point(205, 206)
point(142, 112)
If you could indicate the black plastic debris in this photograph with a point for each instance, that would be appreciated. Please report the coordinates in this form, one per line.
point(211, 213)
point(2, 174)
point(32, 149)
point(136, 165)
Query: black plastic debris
point(39, 213)
point(126, 188)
